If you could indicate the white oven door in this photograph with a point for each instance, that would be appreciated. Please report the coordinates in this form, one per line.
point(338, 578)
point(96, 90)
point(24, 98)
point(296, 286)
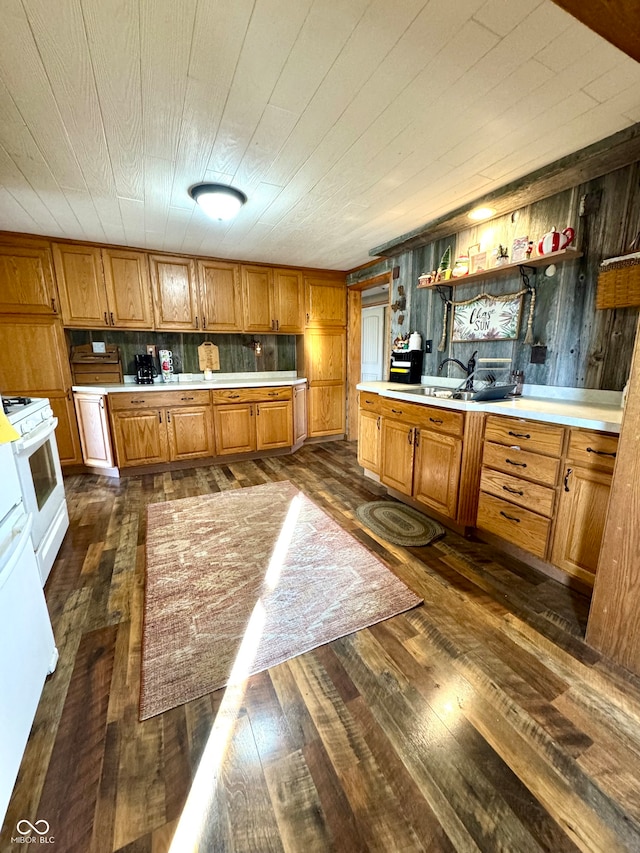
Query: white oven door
point(40, 475)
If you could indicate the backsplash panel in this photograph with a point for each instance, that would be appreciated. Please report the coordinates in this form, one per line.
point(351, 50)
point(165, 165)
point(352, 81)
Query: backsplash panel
point(236, 353)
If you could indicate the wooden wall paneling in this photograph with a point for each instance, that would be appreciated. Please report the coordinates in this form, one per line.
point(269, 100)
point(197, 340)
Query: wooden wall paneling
point(614, 617)
point(354, 359)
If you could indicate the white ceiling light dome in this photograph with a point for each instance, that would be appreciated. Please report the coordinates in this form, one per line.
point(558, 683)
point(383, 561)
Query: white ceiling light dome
point(218, 200)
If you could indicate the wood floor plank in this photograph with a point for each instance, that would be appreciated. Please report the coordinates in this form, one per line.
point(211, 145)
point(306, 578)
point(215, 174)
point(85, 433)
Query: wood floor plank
point(480, 721)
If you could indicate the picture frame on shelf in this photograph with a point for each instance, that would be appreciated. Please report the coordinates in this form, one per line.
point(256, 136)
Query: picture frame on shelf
point(478, 262)
point(519, 250)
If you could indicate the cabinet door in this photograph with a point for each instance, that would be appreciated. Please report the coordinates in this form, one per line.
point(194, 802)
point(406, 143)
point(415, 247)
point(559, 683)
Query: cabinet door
point(128, 286)
point(83, 298)
point(140, 437)
point(67, 438)
point(326, 409)
point(190, 432)
point(235, 428)
point(299, 413)
point(580, 521)
point(369, 441)
point(95, 436)
point(26, 281)
point(325, 355)
point(288, 299)
point(397, 455)
point(326, 302)
point(436, 474)
point(274, 425)
point(257, 294)
point(34, 356)
point(220, 296)
point(175, 295)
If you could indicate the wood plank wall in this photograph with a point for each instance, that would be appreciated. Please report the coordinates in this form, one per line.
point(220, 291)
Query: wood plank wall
point(585, 348)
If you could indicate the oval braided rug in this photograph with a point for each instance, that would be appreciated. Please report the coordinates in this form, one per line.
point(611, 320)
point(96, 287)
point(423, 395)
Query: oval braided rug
point(399, 524)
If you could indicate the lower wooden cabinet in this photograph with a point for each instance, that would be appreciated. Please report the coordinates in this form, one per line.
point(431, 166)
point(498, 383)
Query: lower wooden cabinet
point(93, 425)
point(397, 455)
point(148, 429)
point(299, 413)
point(583, 503)
point(369, 441)
point(327, 409)
point(252, 419)
point(436, 471)
point(67, 437)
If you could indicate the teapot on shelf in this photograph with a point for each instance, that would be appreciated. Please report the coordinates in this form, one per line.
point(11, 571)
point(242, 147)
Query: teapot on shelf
point(554, 241)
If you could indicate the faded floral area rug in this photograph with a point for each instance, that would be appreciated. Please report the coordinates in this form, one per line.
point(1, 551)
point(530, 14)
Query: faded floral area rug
point(242, 580)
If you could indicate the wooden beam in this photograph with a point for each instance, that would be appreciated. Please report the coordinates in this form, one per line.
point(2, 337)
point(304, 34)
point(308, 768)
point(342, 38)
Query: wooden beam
point(618, 21)
point(604, 156)
point(614, 618)
point(354, 358)
point(367, 283)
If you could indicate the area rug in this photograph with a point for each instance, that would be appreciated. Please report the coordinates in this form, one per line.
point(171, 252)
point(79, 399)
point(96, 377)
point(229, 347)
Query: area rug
point(242, 580)
point(399, 524)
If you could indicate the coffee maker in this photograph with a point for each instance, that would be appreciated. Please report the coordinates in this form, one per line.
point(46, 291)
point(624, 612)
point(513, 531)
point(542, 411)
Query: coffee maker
point(144, 369)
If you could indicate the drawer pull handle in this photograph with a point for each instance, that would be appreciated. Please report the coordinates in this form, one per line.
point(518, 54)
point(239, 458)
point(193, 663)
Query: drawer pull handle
point(187, 398)
point(397, 411)
point(233, 396)
point(517, 464)
point(369, 402)
point(436, 420)
point(272, 394)
point(601, 452)
point(513, 491)
point(519, 434)
point(137, 401)
point(112, 320)
point(566, 479)
point(510, 517)
point(410, 436)
point(378, 419)
point(106, 319)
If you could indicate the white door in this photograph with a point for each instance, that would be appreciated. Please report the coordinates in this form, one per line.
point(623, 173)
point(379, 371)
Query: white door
point(372, 343)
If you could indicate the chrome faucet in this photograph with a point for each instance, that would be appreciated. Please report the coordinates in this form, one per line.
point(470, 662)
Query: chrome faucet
point(469, 369)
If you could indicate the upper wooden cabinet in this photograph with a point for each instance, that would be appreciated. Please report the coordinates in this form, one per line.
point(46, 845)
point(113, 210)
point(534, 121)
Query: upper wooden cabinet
point(175, 293)
point(220, 296)
point(103, 287)
point(26, 281)
point(326, 301)
point(126, 276)
point(273, 300)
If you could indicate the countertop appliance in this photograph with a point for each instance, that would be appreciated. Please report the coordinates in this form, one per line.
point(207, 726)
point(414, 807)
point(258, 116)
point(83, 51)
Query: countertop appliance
point(406, 366)
point(27, 647)
point(144, 369)
point(38, 463)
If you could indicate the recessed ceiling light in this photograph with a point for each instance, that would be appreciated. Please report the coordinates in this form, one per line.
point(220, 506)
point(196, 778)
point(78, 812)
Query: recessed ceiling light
point(481, 213)
point(218, 200)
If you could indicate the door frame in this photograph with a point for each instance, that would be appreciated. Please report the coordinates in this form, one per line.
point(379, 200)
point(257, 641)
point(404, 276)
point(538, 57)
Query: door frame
point(354, 344)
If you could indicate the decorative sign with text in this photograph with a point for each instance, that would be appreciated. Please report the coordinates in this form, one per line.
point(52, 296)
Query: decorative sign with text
point(487, 319)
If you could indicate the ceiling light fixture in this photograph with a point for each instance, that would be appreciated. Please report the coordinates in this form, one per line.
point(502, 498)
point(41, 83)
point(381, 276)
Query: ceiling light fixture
point(481, 213)
point(218, 200)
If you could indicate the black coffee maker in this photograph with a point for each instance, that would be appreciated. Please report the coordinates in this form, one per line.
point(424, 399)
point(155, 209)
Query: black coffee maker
point(144, 369)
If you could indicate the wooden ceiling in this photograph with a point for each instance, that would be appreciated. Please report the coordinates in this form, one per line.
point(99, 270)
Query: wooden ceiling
point(345, 123)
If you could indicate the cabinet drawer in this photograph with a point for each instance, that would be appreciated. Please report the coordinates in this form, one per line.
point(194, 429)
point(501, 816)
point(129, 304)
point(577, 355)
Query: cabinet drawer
point(529, 435)
point(521, 463)
point(97, 378)
point(141, 399)
point(518, 526)
point(370, 402)
point(592, 449)
point(540, 499)
point(428, 417)
point(250, 395)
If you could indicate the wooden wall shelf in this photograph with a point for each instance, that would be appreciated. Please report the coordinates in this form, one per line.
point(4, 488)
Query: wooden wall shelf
point(559, 257)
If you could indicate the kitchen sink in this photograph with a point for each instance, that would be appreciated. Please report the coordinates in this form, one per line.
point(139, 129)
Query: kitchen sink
point(493, 392)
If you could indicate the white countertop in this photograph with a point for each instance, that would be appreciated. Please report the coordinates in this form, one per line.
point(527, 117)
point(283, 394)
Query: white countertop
point(198, 383)
point(591, 409)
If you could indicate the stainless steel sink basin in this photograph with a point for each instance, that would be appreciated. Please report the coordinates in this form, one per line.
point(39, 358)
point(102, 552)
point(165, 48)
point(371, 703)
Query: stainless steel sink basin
point(441, 392)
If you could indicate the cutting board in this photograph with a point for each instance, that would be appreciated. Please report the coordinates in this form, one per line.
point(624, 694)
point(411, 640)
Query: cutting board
point(208, 356)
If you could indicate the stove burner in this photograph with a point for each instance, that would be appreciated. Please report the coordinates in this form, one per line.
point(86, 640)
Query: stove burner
point(9, 402)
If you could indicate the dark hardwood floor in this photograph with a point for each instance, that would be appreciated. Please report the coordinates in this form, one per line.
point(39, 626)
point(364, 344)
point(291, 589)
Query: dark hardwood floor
point(477, 721)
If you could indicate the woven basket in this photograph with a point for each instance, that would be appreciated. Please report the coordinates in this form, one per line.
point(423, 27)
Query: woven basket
point(619, 283)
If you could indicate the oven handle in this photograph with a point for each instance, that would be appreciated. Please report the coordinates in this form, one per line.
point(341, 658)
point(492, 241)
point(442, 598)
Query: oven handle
point(36, 437)
point(16, 551)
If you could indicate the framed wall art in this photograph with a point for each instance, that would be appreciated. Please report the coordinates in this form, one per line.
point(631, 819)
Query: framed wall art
point(478, 262)
point(487, 318)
